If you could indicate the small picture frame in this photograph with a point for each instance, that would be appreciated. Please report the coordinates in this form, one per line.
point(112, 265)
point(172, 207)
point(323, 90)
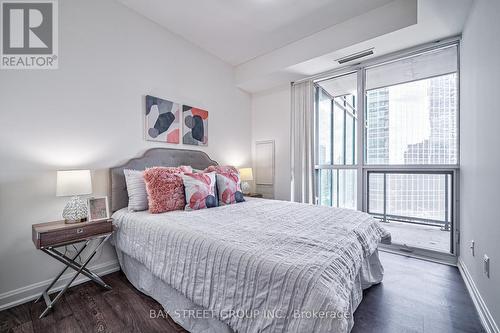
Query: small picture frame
point(98, 208)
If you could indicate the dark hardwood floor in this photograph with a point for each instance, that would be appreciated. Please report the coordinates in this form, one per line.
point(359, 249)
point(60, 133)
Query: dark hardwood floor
point(416, 296)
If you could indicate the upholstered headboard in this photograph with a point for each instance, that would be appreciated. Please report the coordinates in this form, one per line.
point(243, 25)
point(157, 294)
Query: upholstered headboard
point(168, 157)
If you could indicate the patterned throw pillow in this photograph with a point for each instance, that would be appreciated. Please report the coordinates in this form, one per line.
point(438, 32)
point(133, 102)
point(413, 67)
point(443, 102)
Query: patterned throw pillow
point(200, 190)
point(229, 188)
point(136, 188)
point(165, 188)
point(204, 171)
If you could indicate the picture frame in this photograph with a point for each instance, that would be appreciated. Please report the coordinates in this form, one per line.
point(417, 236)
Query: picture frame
point(97, 208)
point(162, 120)
point(194, 126)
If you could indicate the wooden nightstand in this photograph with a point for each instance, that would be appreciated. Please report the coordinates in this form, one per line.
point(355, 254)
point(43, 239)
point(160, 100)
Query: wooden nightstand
point(254, 195)
point(48, 236)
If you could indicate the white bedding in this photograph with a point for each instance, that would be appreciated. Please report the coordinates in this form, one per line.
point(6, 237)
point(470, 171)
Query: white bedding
point(177, 305)
point(277, 262)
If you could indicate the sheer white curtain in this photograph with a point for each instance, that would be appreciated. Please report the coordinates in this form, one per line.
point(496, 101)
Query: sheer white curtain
point(302, 142)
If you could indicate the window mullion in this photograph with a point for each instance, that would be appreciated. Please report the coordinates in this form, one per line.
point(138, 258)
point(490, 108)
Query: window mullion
point(345, 133)
point(332, 192)
point(360, 160)
point(332, 131)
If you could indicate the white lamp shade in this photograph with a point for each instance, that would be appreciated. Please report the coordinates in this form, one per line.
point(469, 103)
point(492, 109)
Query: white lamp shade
point(73, 182)
point(246, 174)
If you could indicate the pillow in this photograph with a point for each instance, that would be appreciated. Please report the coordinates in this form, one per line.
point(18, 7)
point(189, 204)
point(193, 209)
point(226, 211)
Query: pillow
point(136, 188)
point(221, 169)
point(165, 188)
point(229, 188)
point(200, 190)
point(204, 171)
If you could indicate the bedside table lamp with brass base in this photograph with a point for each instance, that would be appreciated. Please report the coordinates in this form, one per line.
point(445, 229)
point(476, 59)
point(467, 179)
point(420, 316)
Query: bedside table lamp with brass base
point(74, 183)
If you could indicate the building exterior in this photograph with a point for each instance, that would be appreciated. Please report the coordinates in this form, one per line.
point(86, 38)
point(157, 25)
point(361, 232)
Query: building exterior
point(410, 124)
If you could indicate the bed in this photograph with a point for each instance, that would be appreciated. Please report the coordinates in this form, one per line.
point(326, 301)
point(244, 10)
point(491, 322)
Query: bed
point(257, 266)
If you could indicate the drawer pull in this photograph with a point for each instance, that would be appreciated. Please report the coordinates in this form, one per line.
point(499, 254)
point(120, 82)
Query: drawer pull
point(79, 230)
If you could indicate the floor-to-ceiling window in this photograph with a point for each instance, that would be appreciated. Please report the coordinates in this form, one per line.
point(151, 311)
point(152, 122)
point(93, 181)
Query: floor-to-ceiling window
point(402, 114)
point(336, 148)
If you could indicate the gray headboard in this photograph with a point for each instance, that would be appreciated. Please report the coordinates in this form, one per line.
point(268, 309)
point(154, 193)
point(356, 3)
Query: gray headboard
point(168, 157)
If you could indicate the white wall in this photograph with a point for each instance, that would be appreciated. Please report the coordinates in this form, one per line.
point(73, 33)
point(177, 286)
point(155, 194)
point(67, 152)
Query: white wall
point(88, 114)
point(271, 121)
point(480, 148)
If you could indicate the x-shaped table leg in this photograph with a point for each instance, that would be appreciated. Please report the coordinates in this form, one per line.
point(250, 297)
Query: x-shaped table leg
point(79, 268)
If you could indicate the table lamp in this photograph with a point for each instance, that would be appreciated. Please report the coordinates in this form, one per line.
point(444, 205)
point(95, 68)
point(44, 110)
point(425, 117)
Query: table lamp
point(246, 175)
point(74, 183)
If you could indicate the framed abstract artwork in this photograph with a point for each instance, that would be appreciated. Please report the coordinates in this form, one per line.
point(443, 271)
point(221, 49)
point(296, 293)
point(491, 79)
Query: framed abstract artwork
point(195, 126)
point(162, 120)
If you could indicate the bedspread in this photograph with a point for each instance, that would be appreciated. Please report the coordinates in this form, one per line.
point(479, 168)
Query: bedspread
point(259, 266)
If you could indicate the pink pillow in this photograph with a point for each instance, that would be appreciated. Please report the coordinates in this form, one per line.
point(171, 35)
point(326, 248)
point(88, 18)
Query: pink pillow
point(229, 188)
point(165, 188)
point(200, 190)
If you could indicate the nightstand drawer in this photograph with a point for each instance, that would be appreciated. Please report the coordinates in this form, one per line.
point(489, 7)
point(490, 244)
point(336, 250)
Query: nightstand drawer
point(59, 233)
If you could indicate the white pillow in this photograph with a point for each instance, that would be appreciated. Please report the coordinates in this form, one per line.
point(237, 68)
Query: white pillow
point(136, 188)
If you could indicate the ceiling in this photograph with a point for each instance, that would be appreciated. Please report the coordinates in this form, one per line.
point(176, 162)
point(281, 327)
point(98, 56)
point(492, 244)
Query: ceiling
point(273, 42)
point(436, 20)
point(239, 30)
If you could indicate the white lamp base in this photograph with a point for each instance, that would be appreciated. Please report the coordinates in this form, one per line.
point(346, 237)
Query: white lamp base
point(245, 187)
point(75, 210)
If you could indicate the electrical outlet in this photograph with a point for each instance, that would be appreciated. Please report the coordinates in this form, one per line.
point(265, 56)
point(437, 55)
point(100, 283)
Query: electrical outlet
point(486, 266)
point(472, 244)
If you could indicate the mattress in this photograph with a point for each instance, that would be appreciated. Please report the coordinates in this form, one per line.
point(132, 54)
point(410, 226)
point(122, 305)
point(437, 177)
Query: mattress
point(257, 266)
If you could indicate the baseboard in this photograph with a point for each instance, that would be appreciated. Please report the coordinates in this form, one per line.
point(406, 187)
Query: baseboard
point(28, 293)
point(427, 255)
point(484, 314)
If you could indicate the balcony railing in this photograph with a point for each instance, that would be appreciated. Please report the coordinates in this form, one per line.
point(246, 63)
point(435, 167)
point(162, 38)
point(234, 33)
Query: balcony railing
point(419, 197)
point(444, 225)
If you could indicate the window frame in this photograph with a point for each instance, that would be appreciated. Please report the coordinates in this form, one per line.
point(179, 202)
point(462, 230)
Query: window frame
point(361, 151)
point(355, 128)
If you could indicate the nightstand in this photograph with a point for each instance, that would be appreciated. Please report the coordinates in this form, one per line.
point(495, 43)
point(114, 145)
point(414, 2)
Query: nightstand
point(49, 236)
point(254, 195)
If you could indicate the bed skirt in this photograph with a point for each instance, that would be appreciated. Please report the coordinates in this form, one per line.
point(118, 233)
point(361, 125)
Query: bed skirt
point(181, 309)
